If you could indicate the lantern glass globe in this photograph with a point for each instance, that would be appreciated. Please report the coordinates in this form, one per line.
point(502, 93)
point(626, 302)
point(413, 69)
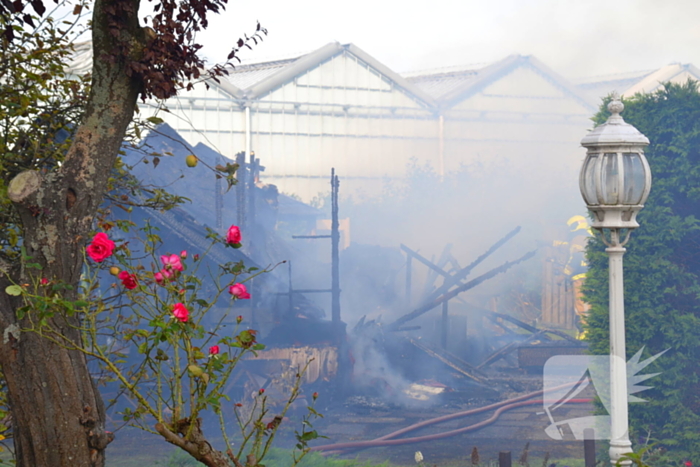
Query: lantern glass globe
point(615, 179)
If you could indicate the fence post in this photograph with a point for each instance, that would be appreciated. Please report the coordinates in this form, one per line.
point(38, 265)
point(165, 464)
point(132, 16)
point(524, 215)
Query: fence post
point(504, 459)
point(589, 447)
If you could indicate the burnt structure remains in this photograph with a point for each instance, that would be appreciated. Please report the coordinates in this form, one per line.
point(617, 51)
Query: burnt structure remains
point(400, 362)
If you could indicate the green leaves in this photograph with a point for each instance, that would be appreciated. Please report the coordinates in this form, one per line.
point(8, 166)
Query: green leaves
point(228, 172)
point(14, 290)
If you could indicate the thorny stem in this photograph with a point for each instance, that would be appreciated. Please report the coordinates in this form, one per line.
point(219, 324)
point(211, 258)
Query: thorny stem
point(222, 424)
point(177, 388)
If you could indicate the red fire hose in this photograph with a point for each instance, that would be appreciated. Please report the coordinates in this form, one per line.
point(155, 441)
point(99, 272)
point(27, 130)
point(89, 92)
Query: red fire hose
point(387, 440)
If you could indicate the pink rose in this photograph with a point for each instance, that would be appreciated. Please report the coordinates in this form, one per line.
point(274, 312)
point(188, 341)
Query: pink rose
point(214, 350)
point(128, 280)
point(180, 312)
point(167, 273)
point(233, 236)
point(183, 254)
point(160, 278)
point(239, 291)
point(101, 247)
point(171, 262)
point(44, 281)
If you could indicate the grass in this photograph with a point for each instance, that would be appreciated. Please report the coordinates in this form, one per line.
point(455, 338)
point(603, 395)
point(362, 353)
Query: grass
point(276, 458)
point(282, 458)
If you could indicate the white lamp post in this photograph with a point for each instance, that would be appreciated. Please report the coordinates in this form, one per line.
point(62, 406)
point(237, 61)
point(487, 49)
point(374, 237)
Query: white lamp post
point(615, 181)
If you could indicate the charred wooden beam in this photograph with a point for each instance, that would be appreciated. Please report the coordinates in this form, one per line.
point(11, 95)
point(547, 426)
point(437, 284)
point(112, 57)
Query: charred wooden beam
point(407, 328)
point(534, 329)
point(433, 274)
point(457, 277)
point(499, 322)
point(303, 291)
point(425, 261)
point(504, 351)
point(492, 315)
point(462, 288)
point(450, 360)
point(516, 321)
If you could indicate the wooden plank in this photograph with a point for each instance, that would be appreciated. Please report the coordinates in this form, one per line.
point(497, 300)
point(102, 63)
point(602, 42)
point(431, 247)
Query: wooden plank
point(547, 293)
point(589, 447)
point(504, 459)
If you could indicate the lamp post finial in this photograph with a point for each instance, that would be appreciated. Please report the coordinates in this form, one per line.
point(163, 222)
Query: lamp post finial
point(615, 106)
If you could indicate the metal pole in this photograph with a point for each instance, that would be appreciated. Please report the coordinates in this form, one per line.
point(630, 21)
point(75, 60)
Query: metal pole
point(335, 251)
point(252, 167)
point(240, 191)
point(619, 442)
point(218, 200)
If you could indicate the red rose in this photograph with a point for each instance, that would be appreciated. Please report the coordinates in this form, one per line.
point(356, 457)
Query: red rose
point(239, 291)
point(171, 263)
point(159, 277)
point(180, 312)
point(128, 280)
point(100, 248)
point(233, 236)
point(214, 350)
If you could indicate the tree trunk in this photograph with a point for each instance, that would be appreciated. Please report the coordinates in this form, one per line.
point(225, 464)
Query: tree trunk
point(58, 415)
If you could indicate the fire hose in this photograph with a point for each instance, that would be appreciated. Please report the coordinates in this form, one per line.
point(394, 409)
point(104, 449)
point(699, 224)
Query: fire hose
point(388, 440)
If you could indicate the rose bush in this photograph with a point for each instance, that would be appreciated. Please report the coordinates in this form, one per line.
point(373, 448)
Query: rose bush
point(161, 315)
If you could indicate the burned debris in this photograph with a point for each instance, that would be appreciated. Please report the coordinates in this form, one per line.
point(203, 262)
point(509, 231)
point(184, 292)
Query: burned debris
point(400, 351)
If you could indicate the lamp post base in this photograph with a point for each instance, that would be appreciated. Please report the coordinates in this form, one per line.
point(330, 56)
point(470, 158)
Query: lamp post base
point(618, 448)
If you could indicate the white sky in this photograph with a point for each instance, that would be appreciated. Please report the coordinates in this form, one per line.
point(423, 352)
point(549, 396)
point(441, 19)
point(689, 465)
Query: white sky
point(576, 38)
